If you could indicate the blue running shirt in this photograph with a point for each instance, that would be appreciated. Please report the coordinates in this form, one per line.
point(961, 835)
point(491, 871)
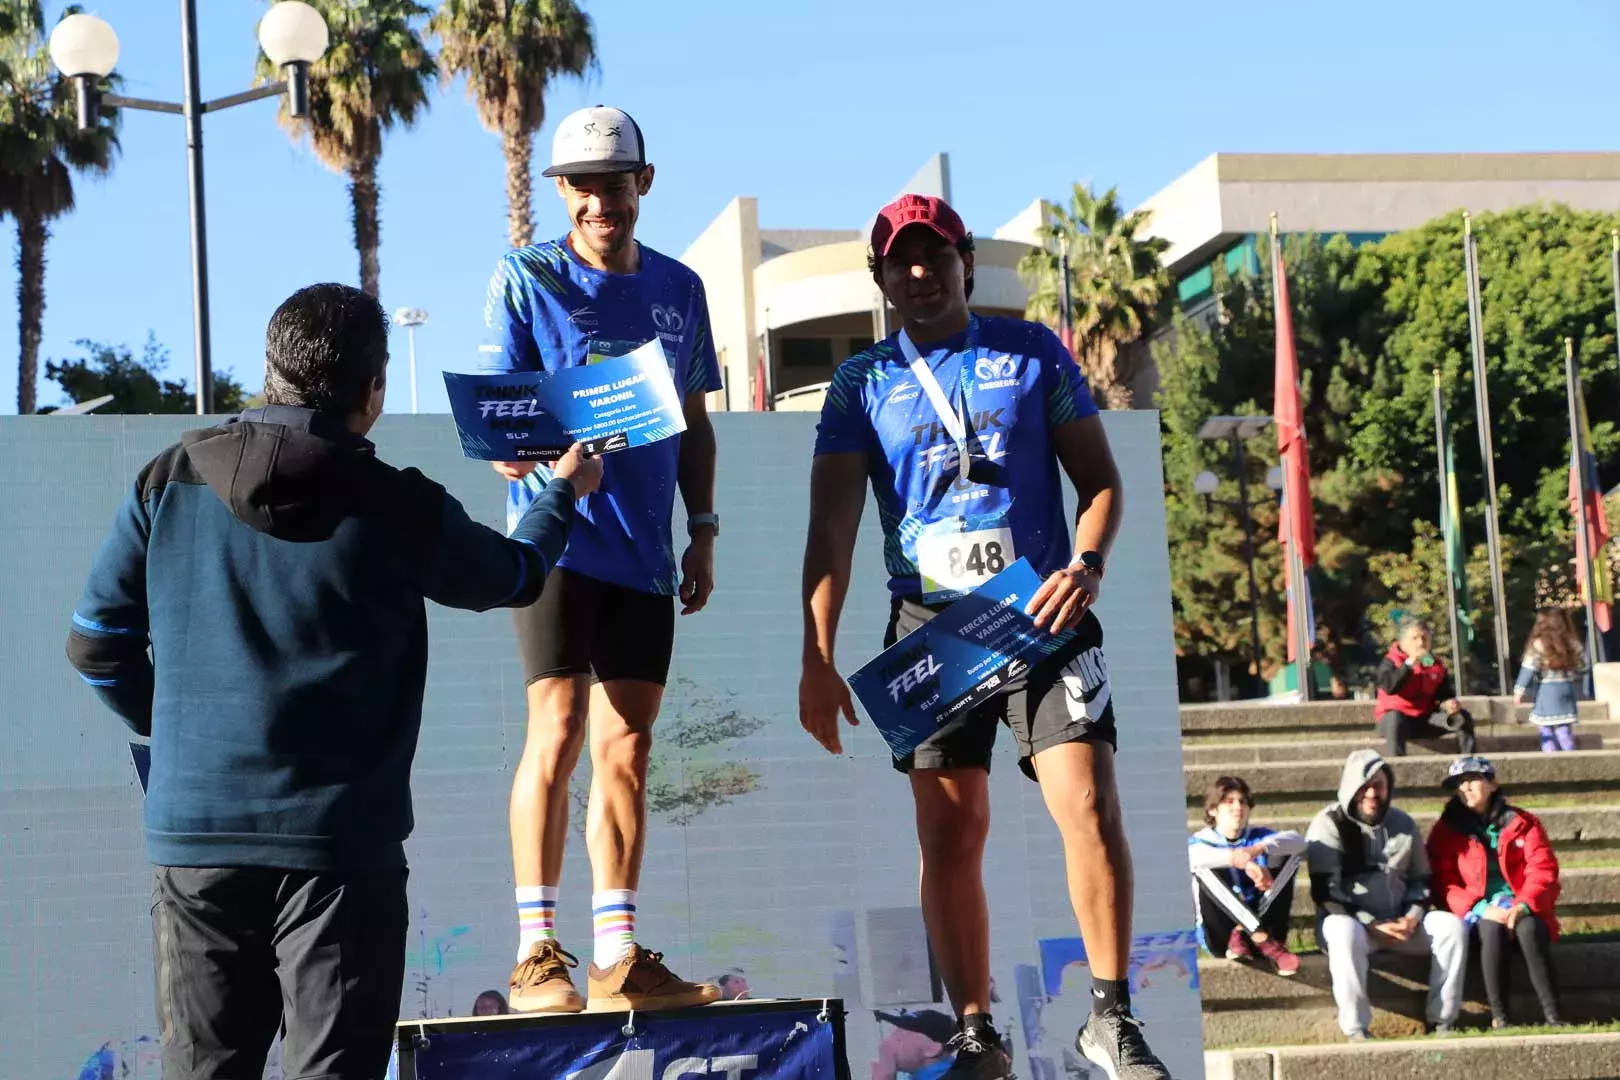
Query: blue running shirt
point(1020, 383)
point(545, 311)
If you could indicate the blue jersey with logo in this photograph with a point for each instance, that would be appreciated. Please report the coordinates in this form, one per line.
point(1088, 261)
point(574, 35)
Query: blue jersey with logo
point(545, 311)
point(1018, 382)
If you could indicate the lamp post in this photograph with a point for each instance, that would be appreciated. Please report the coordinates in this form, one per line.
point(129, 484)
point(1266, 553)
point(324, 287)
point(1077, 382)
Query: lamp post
point(85, 48)
point(1237, 428)
point(410, 318)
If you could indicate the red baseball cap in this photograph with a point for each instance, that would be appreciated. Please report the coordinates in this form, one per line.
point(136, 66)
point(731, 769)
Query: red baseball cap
point(929, 210)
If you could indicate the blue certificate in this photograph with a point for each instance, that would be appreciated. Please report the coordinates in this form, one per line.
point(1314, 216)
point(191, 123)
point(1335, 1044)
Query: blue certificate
point(957, 659)
point(608, 404)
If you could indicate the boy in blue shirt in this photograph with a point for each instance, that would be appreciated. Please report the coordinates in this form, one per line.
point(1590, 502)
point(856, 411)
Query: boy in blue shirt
point(597, 643)
point(960, 423)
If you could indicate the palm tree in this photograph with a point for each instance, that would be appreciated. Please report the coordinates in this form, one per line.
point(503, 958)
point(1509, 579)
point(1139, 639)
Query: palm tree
point(377, 73)
point(41, 147)
point(1117, 286)
point(510, 50)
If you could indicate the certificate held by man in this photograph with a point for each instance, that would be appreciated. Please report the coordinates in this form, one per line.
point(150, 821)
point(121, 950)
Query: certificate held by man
point(954, 661)
point(607, 404)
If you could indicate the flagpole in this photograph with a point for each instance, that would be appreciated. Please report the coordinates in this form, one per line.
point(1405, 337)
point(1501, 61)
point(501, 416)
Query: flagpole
point(1298, 583)
point(1445, 504)
point(1614, 277)
point(1482, 408)
point(1577, 456)
point(1066, 322)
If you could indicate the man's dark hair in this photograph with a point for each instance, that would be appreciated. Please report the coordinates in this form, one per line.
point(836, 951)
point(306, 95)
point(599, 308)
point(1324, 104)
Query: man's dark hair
point(964, 248)
point(324, 348)
point(1220, 789)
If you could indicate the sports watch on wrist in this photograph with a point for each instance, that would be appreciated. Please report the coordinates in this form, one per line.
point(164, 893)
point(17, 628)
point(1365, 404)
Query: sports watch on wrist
point(1091, 562)
point(694, 522)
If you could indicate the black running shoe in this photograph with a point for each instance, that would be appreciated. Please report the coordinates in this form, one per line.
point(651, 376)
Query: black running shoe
point(980, 1053)
point(1113, 1042)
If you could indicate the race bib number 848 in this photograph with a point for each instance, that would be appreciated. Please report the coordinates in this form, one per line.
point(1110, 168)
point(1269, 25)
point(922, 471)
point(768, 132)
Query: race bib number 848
point(953, 563)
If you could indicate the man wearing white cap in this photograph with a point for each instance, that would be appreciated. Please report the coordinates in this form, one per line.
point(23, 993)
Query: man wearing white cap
point(597, 643)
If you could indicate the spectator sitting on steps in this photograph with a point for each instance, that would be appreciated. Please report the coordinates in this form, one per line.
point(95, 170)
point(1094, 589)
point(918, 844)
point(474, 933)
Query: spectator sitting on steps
point(1416, 699)
point(1495, 868)
point(1370, 882)
point(1243, 878)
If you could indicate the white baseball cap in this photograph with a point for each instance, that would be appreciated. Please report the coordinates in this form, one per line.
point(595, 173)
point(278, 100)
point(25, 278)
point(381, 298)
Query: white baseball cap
point(599, 139)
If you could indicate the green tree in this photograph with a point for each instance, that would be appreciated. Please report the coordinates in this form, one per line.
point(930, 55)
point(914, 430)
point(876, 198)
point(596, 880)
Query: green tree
point(1544, 273)
point(1372, 323)
point(1226, 367)
point(1117, 286)
point(511, 51)
point(41, 147)
point(377, 73)
point(137, 384)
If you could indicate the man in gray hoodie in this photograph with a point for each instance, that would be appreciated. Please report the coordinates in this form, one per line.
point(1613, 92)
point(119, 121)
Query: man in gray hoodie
point(1370, 882)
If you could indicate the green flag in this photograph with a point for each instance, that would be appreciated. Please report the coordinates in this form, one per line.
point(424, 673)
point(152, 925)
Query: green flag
point(1451, 522)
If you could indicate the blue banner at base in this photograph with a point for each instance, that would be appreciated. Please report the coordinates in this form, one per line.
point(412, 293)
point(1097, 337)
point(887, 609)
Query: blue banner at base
point(744, 1040)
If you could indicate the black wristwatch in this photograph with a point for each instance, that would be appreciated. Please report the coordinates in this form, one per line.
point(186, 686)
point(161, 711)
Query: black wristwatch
point(1091, 562)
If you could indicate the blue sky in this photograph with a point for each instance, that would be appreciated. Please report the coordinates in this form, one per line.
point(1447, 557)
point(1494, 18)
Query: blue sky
point(820, 110)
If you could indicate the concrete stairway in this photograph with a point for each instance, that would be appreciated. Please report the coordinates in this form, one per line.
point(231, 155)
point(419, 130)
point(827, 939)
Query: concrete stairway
point(1292, 757)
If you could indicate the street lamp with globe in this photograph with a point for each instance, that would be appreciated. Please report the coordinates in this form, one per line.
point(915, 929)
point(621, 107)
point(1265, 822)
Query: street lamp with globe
point(410, 318)
point(85, 49)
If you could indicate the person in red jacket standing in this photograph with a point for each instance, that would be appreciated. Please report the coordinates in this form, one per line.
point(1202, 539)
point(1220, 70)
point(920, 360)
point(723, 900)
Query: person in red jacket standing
point(1494, 867)
point(1415, 697)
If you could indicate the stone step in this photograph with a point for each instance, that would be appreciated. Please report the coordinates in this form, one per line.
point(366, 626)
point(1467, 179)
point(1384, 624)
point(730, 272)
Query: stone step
point(1503, 1057)
point(1248, 1004)
point(1583, 889)
point(1606, 729)
point(1595, 825)
point(1250, 716)
point(1415, 776)
point(1505, 741)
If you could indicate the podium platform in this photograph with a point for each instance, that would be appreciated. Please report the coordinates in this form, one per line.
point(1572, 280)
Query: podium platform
point(782, 1039)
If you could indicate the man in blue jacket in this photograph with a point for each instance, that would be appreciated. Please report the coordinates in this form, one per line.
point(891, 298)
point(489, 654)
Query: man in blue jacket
point(277, 569)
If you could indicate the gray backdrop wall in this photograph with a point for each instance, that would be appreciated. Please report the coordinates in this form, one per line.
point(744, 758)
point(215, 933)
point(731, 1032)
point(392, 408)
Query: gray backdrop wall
point(766, 854)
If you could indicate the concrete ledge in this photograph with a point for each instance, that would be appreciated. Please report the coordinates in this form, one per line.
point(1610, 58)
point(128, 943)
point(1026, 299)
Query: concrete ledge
point(1514, 741)
point(1248, 1005)
point(1582, 887)
point(1524, 1057)
point(1236, 716)
point(1601, 823)
point(1582, 771)
point(1579, 966)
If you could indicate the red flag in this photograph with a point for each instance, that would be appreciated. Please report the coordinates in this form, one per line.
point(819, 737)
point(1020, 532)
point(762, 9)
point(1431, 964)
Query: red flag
point(1066, 335)
point(1297, 529)
point(1298, 522)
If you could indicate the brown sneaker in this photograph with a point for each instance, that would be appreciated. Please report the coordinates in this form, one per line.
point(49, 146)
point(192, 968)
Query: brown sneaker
point(540, 982)
point(641, 981)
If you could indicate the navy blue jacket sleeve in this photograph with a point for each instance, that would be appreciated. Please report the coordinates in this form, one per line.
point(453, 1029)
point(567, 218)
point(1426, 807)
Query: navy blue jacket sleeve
point(473, 567)
point(107, 643)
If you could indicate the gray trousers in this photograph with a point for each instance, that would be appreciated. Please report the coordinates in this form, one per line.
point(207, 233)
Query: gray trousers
point(1442, 936)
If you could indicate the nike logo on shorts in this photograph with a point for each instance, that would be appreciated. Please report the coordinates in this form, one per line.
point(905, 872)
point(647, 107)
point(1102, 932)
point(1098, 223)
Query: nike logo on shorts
point(1085, 684)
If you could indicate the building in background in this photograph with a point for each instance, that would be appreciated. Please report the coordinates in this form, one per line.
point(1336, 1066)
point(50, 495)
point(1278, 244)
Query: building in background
point(789, 305)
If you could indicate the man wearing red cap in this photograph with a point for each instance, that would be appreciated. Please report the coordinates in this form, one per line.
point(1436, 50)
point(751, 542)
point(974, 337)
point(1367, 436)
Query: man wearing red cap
point(960, 424)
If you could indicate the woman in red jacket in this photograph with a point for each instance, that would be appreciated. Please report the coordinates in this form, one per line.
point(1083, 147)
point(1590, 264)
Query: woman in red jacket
point(1493, 866)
